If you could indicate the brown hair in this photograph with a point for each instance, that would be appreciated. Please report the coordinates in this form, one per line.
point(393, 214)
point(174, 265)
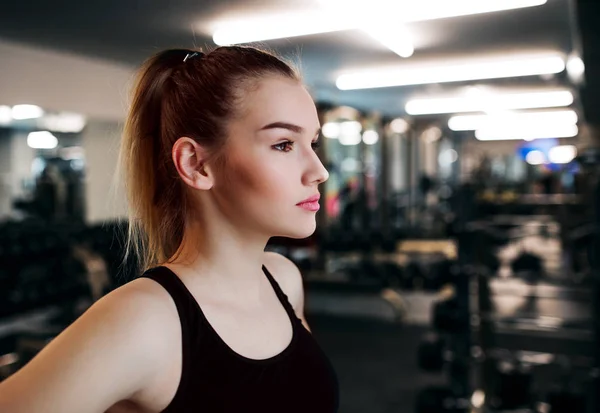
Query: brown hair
point(180, 92)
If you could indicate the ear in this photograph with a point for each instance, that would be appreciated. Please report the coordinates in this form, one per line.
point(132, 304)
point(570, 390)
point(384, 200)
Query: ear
point(190, 161)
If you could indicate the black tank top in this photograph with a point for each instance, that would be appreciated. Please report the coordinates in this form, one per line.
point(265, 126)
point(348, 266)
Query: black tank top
point(216, 379)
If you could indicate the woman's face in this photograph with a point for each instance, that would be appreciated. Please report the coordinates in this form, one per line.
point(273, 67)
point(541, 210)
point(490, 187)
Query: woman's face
point(271, 165)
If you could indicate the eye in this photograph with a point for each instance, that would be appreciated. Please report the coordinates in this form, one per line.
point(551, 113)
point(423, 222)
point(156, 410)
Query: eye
point(284, 146)
point(316, 144)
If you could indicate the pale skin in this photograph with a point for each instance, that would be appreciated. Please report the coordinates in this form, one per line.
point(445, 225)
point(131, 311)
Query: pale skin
point(124, 353)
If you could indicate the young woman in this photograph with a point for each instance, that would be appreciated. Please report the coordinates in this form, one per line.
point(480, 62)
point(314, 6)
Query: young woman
point(218, 153)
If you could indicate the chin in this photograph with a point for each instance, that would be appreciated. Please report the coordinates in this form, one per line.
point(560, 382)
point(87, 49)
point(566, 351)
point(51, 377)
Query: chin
point(299, 230)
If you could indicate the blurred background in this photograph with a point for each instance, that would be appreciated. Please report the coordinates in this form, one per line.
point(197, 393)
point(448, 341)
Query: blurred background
point(455, 263)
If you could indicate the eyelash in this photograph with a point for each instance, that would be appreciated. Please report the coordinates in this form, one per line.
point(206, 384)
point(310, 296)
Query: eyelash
point(314, 145)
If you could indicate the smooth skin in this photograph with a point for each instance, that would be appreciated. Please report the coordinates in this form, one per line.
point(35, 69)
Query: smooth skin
point(124, 353)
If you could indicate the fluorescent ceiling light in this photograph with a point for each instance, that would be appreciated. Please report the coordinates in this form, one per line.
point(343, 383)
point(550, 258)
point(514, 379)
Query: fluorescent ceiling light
point(277, 27)
point(466, 70)
point(411, 11)
point(535, 158)
point(5, 115)
point(490, 102)
point(63, 122)
point(338, 15)
point(515, 119)
point(42, 140)
point(562, 154)
point(20, 112)
point(395, 37)
point(530, 133)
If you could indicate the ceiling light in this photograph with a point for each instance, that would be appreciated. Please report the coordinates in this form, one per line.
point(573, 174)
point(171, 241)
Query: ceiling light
point(63, 122)
point(337, 15)
point(490, 102)
point(399, 125)
point(575, 68)
point(350, 133)
point(370, 137)
point(42, 140)
point(20, 112)
point(331, 130)
point(515, 119)
point(535, 158)
point(393, 36)
point(466, 70)
point(278, 26)
point(447, 157)
point(530, 133)
point(405, 11)
point(5, 115)
point(562, 154)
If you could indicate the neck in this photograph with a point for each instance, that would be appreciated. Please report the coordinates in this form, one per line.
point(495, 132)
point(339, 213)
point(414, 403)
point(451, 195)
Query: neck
point(222, 258)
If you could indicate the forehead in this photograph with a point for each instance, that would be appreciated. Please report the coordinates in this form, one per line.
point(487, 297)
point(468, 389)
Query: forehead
point(277, 99)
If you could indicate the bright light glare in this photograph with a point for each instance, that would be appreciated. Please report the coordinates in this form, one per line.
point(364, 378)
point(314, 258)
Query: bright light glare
point(496, 68)
point(575, 68)
point(278, 27)
point(439, 9)
point(404, 11)
point(370, 137)
point(5, 115)
point(337, 15)
point(535, 158)
point(63, 122)
point(478, 398)
point(331, 130)
point(490, 102)
point(350, 133)
point(394, 37)
point(530, 132)
point(399, 125)
point(447, 157)
point(562, 154)
point(42, 140)
point(516, 120)
point(20, 112)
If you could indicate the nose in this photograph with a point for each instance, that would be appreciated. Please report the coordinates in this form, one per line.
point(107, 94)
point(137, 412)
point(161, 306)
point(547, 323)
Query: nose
point(316, 173)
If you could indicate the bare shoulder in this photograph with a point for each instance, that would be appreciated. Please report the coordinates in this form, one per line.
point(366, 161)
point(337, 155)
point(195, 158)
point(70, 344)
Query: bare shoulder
point(288, 276)
point(122, 341)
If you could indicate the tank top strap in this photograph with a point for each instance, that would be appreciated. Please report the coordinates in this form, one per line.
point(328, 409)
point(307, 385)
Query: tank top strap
point(280, 294)
point(183, 299)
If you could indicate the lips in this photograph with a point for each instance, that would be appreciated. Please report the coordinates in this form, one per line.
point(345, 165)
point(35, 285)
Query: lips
point(312, 199)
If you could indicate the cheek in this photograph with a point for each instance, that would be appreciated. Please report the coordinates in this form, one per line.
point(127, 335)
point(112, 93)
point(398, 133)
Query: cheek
point(266, 179)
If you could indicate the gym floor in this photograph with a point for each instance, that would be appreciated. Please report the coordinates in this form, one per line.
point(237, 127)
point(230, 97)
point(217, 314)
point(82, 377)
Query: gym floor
point(375, 362)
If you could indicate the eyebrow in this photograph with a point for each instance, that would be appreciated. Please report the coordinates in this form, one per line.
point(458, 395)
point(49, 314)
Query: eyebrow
point(284, 125)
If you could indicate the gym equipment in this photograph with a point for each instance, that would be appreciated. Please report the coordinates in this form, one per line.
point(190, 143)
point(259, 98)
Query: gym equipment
point(512, 386)
point(450, 316)
point(562, 401)
point(439, 399)
point(528, 266)
point(431, 355)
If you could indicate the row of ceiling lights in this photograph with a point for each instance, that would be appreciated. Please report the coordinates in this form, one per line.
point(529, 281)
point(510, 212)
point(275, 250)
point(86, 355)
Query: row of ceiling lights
point(373, 20)
point(64, 122)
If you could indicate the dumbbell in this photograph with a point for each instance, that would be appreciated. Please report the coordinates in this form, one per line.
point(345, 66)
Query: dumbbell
point(528, 266)
point(512, 385)
point(562, 401)
point(440, 399)
point(449, 316)
point(432, 353)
